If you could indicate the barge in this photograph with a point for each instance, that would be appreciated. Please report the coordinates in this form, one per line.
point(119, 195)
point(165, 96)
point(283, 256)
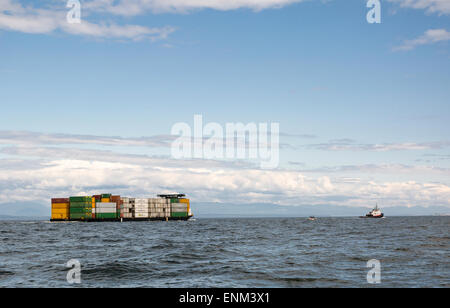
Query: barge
point(110, 208)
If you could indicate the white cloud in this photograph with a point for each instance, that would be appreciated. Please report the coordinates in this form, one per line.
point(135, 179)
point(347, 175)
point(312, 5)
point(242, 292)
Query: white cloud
point(61, 172)
point(431, 6)
point(429, 37)
point(66, 177)
point(33, 138)
point(351, 145)
point(138, 7)
point(15, 17)
point(395, 169)
point(35, 167)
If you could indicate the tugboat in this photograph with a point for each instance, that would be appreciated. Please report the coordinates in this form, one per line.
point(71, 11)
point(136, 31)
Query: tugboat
point(375, 213)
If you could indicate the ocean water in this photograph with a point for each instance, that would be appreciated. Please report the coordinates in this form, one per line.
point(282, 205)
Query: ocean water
point(278, 252)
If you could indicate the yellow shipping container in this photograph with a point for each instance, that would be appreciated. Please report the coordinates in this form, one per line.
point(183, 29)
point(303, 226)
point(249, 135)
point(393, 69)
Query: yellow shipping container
point(57, 211)
point(60, 205)
point(60, 211)
point(60, 216)
point(93, 202)
point(105, 200)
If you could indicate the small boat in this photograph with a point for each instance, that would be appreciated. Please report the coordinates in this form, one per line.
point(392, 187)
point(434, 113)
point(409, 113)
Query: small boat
point(312, 218)
point(375, 213)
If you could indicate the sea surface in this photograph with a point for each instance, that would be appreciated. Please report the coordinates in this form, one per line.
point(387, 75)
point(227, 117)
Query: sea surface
point(260, 252)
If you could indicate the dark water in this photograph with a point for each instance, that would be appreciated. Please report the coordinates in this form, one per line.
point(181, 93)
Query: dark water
point(293, 252)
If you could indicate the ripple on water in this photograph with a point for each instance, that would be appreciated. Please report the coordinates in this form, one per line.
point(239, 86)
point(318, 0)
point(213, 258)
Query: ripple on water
point(286, 252)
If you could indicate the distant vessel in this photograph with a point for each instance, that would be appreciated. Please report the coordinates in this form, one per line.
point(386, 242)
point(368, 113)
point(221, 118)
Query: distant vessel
point(312, 218)
point(375, 213)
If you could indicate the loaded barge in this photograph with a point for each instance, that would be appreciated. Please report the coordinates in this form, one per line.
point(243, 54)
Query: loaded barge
point(106, 207)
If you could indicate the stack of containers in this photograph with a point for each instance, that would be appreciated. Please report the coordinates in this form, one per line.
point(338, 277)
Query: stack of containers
point(179, 207)
point(117, 201)
point(140, 208)
point(105, 209)
point(158, 208)
point(95, 199)
point(60, 208)
point(80, 208)
point(188, 204)
point(126, 208)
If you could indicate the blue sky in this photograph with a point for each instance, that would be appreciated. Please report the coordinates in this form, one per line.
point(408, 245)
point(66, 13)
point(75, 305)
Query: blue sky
point(363, 108)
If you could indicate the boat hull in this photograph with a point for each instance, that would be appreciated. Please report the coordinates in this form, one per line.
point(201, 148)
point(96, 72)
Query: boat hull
point(123, 219)
point(371, 216)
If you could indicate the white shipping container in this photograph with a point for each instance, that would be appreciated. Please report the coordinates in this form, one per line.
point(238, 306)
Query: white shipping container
point(141, 215)
point(105, 211)
point(105, 205)
point(156, 211)
point(141, 209)
point(157, 200)
point(179, 210)
point(155, 215)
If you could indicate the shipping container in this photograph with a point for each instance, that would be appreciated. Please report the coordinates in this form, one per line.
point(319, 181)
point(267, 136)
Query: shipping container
point(105, 215)
point(80, 199)
point(60, 205)
point(179, 215)
point(60, 200)
point(60, 216)
point(115, 199)
point(83, 216)
point(141, 215)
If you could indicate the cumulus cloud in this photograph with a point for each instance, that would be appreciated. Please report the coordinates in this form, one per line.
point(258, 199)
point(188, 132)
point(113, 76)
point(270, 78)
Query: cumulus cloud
point(65, 176)
point(431, 6)
point(28, 19)
point(35, 167)
point(429, 37)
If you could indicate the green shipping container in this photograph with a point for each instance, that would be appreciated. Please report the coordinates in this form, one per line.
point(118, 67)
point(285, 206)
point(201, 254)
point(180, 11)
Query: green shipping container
point(81, 204)
point(174, 200)
point(80, 199)
point(79, 210)
point(106, 195)
point(106, 216)
point(180, 214)
point(80, 216)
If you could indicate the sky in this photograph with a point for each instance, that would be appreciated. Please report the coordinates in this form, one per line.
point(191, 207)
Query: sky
point(363, 109)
